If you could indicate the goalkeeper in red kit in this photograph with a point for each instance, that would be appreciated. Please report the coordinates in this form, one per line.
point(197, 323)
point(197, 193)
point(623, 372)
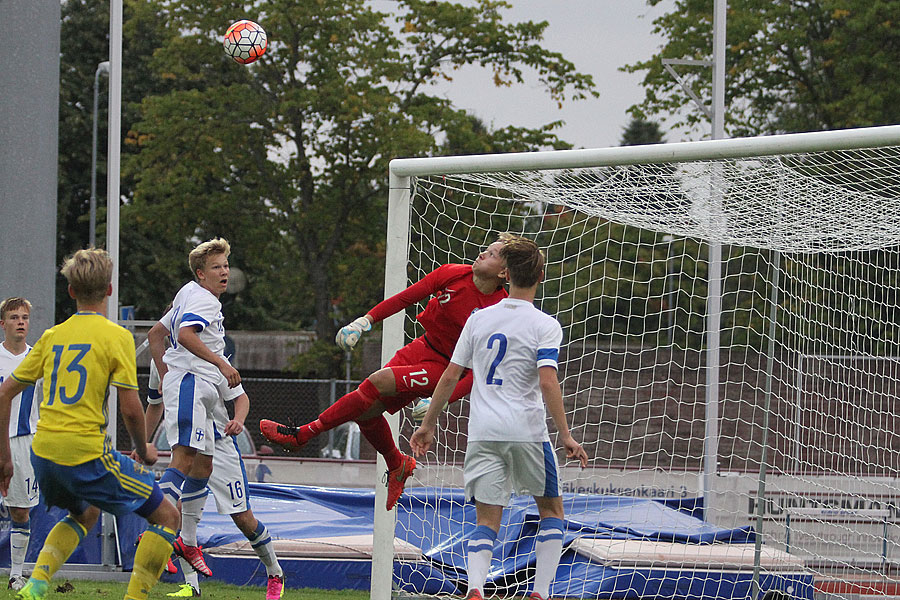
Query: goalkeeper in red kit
point(456, 291)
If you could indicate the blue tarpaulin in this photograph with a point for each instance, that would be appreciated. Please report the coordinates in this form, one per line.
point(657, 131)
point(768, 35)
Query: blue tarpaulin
point(439, 522)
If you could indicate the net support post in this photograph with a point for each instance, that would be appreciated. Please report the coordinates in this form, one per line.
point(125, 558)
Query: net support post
point(397, 253)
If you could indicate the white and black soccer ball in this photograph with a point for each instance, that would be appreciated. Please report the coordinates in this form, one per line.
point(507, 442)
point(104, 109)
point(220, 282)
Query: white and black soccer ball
point(245, 41)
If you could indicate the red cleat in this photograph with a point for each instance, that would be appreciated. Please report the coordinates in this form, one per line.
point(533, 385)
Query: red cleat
point(192, 554)
point(283, 435)
point(396, 479)
point(474, 594)
point(170, 566)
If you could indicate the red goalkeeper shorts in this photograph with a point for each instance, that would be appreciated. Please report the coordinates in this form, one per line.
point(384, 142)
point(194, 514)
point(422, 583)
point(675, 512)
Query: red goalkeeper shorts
point(417, 369)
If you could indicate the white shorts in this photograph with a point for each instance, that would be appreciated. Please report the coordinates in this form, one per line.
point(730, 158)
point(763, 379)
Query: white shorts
point(189, 401)
point(228, 482)
point(23, 487)
point(495, 470)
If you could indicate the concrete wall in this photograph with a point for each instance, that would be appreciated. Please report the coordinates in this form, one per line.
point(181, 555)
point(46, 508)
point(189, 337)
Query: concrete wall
point(29, 120)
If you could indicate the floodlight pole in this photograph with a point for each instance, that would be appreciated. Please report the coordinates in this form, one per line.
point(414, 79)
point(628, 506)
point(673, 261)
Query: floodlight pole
point(92, 235)
point(109, 543)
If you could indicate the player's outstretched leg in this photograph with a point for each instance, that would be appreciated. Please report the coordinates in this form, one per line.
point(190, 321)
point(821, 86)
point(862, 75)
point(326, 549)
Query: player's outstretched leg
point(347, 408)
point(278, 433)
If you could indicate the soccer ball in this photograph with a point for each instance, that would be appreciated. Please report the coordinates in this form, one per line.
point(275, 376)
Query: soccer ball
point(245, 41)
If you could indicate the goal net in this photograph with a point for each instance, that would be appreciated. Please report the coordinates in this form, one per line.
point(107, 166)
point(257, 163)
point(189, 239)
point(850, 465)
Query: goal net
point(732, 326)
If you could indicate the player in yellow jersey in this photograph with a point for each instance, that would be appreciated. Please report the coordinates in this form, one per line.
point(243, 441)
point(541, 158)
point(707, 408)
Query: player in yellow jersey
point(74, 463)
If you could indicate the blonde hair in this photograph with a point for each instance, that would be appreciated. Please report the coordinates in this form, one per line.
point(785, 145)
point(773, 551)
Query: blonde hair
point(524, 260)
point(199, 255)
point(89, 272)
point(13, 303)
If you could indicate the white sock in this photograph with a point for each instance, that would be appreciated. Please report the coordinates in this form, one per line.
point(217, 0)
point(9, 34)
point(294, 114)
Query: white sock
point(190, 575)
point(261, 542)
point(191, 511)
point(547, 549)
point(19, 535)
point(478, 559)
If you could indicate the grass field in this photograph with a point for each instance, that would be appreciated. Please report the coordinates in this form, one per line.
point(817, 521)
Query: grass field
point(84, 590)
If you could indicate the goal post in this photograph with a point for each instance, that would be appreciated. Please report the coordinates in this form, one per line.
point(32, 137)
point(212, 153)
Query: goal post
point(809, 229)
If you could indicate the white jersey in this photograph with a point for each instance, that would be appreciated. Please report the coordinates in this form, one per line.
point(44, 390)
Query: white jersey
point(505, 345)
point(23, 414)
point(195, 306)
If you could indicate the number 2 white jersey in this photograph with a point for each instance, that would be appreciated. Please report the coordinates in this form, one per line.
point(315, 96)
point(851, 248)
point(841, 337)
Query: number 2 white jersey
point(505, 345)
point(23, 414)
point(195, 306)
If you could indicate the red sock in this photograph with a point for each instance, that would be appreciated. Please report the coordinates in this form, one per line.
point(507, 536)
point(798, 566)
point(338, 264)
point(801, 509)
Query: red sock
point(378, 433)
point(346, 408)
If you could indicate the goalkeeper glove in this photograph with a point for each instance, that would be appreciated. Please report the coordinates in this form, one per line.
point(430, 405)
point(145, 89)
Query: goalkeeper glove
point(348, 336)
point(421, 407)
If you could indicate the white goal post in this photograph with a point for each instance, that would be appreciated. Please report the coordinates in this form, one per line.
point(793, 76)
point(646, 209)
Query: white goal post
point(810, 229)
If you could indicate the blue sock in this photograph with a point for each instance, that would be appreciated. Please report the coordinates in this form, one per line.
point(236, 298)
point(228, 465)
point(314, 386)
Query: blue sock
point(171, 483)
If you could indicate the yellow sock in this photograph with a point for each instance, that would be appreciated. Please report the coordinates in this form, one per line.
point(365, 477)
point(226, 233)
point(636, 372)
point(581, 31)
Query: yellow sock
point(149, 561)
point(58, 547)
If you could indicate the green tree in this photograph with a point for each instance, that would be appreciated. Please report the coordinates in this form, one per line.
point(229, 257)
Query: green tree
point(288, 157)
point(798, 65)
point(640, 132)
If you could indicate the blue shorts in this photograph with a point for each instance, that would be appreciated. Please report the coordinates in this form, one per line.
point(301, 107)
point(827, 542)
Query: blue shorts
point(113, 482)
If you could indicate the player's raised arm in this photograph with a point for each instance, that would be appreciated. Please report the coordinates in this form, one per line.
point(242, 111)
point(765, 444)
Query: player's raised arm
point(348, 336)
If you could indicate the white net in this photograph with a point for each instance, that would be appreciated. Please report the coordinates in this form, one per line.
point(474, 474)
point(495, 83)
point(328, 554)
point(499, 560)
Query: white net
point(811, 238)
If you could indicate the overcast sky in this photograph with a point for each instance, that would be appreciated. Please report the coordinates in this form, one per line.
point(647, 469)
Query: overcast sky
point(598, 36)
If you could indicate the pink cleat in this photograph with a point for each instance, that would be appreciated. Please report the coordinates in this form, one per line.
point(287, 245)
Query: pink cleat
point(275, 587)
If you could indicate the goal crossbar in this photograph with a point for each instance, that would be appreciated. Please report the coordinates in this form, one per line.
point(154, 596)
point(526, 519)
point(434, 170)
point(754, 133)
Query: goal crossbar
point(791, 143)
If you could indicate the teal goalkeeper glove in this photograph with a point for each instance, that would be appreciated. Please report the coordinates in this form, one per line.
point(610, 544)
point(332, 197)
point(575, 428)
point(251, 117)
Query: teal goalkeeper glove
point(348, 336)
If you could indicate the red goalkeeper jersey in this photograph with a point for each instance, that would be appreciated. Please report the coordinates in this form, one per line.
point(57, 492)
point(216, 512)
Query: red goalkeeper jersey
point(454, 298)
